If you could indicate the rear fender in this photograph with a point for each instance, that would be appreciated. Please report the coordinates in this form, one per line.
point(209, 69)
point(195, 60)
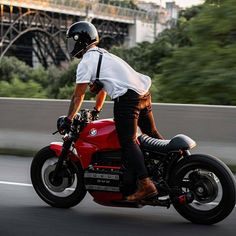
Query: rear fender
point(57, 148)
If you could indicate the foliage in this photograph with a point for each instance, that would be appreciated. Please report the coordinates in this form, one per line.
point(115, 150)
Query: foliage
point(204, 72)
point(19, 80)
point(193, 77)
point(190, 13)
point(216, 2)
point(62, 79)
point(10, 67)
point(18, 88)
point(215, 24)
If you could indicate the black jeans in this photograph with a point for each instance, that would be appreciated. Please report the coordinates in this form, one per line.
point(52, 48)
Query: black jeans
point(130, 112)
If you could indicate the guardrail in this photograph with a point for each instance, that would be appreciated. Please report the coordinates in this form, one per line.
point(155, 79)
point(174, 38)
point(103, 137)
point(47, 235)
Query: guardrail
point(29, 123)
point(86, 8)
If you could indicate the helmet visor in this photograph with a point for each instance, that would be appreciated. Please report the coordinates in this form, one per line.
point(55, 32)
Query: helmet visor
point(71, 45)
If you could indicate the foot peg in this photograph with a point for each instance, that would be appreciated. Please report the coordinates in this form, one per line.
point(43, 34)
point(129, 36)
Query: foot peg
point(184, 199)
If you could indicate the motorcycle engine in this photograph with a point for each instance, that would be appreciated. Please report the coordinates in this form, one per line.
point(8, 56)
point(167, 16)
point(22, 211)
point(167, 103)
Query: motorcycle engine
point(99, 179)
point(104, 173)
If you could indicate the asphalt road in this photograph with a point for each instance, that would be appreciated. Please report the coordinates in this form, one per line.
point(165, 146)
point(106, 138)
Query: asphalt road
point(22, 212)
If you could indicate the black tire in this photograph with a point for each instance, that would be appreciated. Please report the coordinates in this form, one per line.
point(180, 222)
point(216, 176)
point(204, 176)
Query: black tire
point(44, 192)
point(225, 180)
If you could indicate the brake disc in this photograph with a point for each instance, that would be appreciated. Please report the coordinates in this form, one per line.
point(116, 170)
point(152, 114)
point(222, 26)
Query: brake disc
point(205, 187)
point(60, 184)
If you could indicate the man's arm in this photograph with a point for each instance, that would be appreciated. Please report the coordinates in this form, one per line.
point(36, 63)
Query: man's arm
point(77, 99)
point(100, 100)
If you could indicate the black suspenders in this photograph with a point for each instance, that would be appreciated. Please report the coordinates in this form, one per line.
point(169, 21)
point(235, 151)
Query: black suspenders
point(99, 64)
point(97, 85)
point(99, 61)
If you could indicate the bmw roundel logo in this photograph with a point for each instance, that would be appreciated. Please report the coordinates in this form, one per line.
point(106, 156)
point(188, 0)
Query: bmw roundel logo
point(93, 132)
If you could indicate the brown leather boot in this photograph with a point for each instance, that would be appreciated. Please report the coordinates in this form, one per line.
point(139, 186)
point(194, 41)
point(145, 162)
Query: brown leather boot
point(146, 189)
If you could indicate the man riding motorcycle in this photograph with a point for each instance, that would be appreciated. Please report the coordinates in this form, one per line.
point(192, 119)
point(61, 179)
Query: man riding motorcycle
point(105, 74)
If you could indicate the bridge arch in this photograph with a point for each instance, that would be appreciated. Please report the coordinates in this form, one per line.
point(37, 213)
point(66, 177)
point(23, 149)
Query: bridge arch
point(111, 33)
point(36, 22)
point(24, 31)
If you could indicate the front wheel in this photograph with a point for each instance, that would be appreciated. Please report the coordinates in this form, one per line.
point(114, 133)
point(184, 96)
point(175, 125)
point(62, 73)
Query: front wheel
point(64, 192)
point(212, 185)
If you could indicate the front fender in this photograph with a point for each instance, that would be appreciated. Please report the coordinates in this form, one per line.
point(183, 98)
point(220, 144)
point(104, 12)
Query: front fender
point(57, 148)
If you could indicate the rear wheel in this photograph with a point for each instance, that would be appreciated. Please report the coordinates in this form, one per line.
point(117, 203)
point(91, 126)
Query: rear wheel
point(64, 192)
point(212, 185)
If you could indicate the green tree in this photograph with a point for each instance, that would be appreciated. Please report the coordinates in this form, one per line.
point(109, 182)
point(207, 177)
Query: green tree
point(214, 2)
point(11, 67)
point(19, 80)
point(215, 24)
point(17, 88)
point(204, 72)
point(39, 75)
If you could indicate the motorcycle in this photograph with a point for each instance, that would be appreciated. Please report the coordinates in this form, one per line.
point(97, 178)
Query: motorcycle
point(200, 187)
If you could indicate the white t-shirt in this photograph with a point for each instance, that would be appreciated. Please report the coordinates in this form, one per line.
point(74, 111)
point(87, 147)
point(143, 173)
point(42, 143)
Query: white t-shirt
point(116, 75)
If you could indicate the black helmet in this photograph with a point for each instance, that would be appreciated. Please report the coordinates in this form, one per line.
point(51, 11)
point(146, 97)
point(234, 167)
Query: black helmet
point(80, 36)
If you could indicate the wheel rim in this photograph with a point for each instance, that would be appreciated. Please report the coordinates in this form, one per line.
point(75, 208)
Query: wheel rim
point(64, 187)
point(207, 189)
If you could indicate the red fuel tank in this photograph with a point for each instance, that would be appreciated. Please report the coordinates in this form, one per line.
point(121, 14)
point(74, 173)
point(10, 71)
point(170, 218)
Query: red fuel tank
point(102, 134)
point(97, 136)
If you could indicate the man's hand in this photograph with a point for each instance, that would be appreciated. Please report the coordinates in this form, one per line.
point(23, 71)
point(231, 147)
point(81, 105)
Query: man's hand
point(94, 114)
point(63, 124)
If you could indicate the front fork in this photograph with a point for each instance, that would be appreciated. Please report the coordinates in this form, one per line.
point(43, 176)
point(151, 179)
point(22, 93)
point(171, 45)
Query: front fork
point(64, 152)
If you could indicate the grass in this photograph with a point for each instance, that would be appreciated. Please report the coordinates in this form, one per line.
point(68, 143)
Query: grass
point(17, 152)
point(232, 168)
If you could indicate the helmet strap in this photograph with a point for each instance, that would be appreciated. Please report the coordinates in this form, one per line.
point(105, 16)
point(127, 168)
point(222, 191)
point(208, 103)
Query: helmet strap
point(83, 51)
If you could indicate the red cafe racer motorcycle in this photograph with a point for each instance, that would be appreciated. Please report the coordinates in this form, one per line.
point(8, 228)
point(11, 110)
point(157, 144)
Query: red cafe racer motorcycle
point(200, 187)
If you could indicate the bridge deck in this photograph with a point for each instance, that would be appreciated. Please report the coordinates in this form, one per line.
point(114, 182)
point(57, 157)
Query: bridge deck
point(89, 9)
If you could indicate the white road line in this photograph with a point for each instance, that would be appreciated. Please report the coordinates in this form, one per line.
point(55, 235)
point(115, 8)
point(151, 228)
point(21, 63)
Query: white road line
point(15, 183)
point(30, 185)
point(24, 184)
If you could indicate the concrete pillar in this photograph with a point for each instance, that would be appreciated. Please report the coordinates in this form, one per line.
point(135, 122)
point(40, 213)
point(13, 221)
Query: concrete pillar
point(139, 32)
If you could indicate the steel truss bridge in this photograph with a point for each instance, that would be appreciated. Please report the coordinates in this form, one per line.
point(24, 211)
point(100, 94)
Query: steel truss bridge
point(34, 30)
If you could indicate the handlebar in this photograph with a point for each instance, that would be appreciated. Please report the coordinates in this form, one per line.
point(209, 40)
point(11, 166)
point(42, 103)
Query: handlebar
point(84, 115)
point(81, 119)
